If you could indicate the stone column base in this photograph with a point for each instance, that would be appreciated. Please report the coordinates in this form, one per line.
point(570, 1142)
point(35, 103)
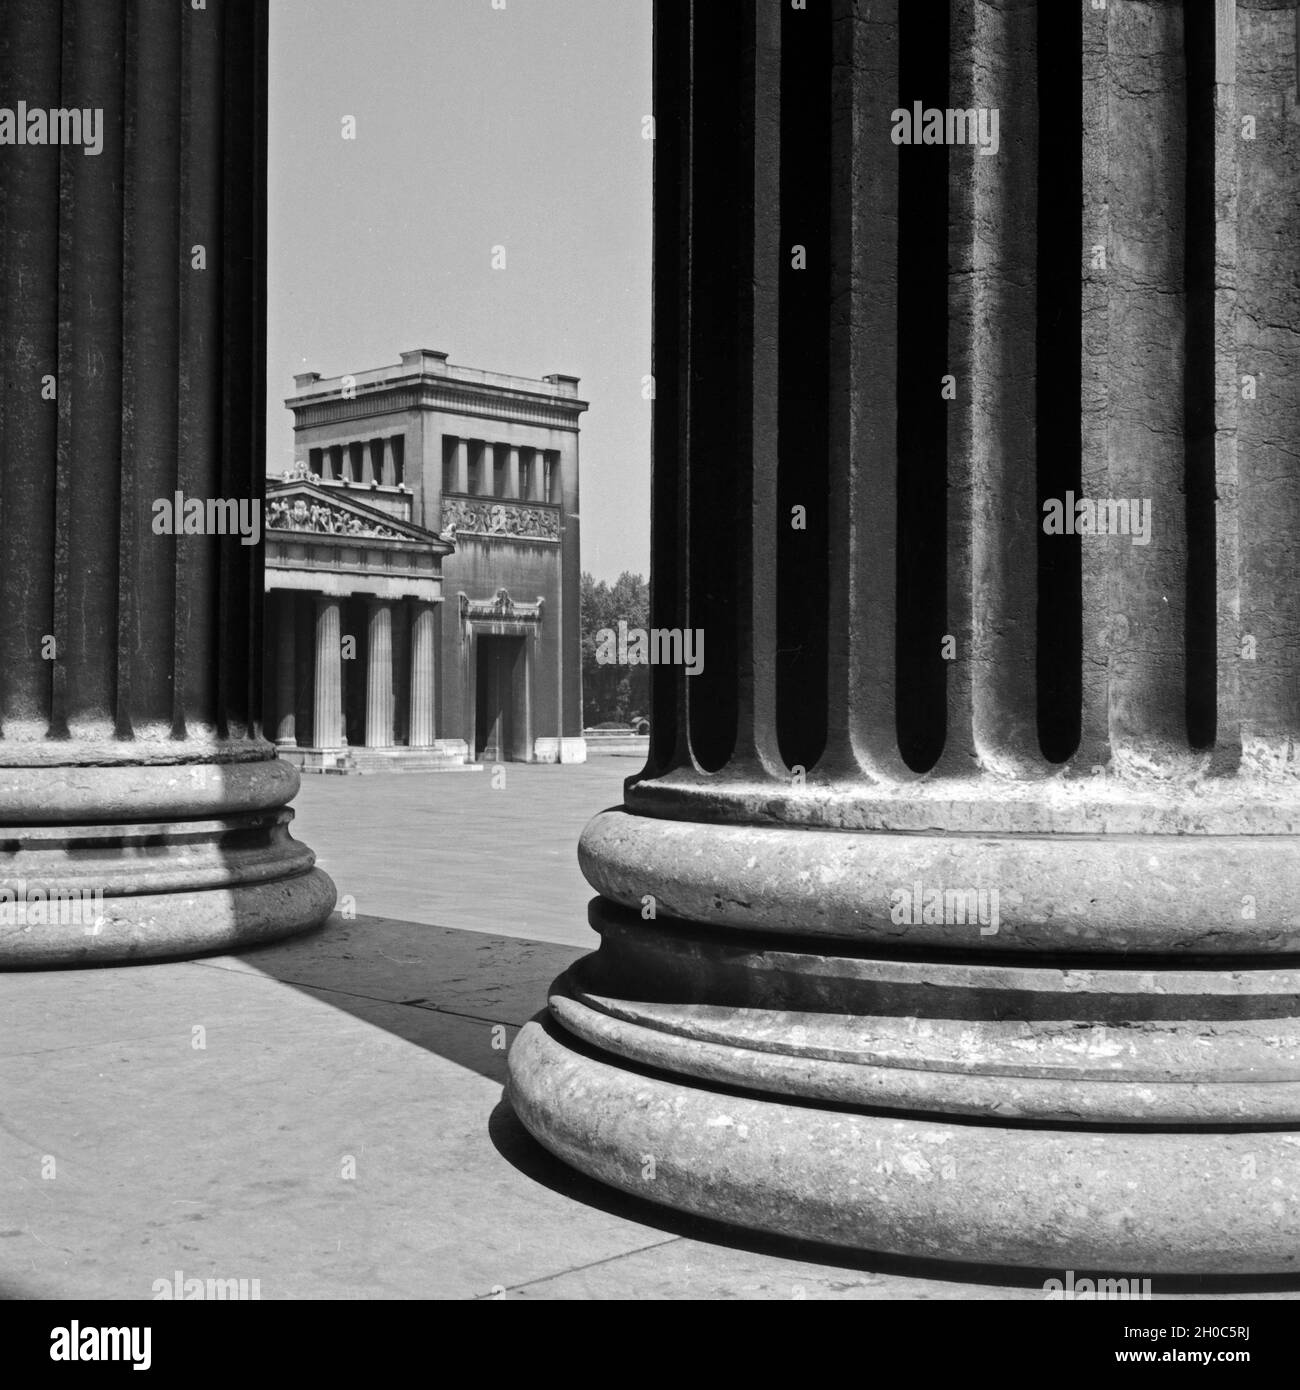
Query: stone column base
point(791, 1060)
point(1130, 1202)
point(201, 862)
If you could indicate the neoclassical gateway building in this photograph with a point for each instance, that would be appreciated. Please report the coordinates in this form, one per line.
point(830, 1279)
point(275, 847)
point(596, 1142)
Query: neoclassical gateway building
point(422, 570)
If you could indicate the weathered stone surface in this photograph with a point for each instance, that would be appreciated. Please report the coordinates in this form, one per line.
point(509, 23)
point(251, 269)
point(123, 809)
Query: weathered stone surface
point(1145, 1203)
point(1062, 893)
point(142, 812)
point(796, 1021)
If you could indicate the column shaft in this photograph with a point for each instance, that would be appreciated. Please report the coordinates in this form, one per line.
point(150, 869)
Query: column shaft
point(423, 732)
point(133, 766)
point(327, 721)
point(1050, 932)
point(379, 674)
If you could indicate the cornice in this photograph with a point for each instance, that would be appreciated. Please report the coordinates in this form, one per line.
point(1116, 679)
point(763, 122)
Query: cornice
point(455, 397)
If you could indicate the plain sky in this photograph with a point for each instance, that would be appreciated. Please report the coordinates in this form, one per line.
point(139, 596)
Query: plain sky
point(476, 127)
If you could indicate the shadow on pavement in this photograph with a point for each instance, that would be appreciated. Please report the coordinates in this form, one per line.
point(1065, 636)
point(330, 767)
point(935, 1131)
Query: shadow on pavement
point(410, 979)
point(440, 988)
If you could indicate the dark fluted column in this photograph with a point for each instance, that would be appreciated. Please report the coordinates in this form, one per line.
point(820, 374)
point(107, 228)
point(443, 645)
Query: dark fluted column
point(955, 915)
point(132, 759)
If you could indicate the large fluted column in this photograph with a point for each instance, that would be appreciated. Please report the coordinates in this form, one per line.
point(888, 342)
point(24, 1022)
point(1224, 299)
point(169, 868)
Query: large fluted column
point(132, 759)
point(379, 673)
point(422, 731)
point(955, 912)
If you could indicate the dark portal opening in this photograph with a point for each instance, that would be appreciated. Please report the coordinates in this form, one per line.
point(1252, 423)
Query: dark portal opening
point(500, 701)
point(355, 659)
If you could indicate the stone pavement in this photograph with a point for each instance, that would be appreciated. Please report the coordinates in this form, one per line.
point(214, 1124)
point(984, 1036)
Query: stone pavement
point(455, 850)
point(325, 1115)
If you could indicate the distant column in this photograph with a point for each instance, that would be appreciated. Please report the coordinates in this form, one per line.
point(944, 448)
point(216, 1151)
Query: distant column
point(422, 732)
point(327, 724)
point(285, 659)
point(379, 674)
point(462, 465)
point(512, 472)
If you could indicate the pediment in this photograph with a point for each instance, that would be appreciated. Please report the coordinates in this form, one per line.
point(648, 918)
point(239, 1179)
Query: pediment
point(298, 505)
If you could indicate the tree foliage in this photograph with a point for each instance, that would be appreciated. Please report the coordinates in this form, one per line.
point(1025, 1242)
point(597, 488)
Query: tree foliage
point(613, 694)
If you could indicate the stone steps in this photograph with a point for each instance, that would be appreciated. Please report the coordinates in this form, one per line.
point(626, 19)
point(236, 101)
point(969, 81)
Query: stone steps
point(363, 761)
point(368, 760)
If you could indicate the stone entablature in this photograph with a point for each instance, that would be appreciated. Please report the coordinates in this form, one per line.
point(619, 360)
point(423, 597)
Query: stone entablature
point(341, 570)
point(500, 608)
point(488, 517)
point(552, 404)
point(428, 362)
point(386, 400)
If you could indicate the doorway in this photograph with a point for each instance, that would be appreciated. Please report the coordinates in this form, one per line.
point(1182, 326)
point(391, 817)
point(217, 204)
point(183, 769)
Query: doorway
point(500, 700)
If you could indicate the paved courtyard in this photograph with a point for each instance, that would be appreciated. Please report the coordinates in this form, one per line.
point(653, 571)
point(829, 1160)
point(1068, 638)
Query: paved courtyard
point(325, 1116)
